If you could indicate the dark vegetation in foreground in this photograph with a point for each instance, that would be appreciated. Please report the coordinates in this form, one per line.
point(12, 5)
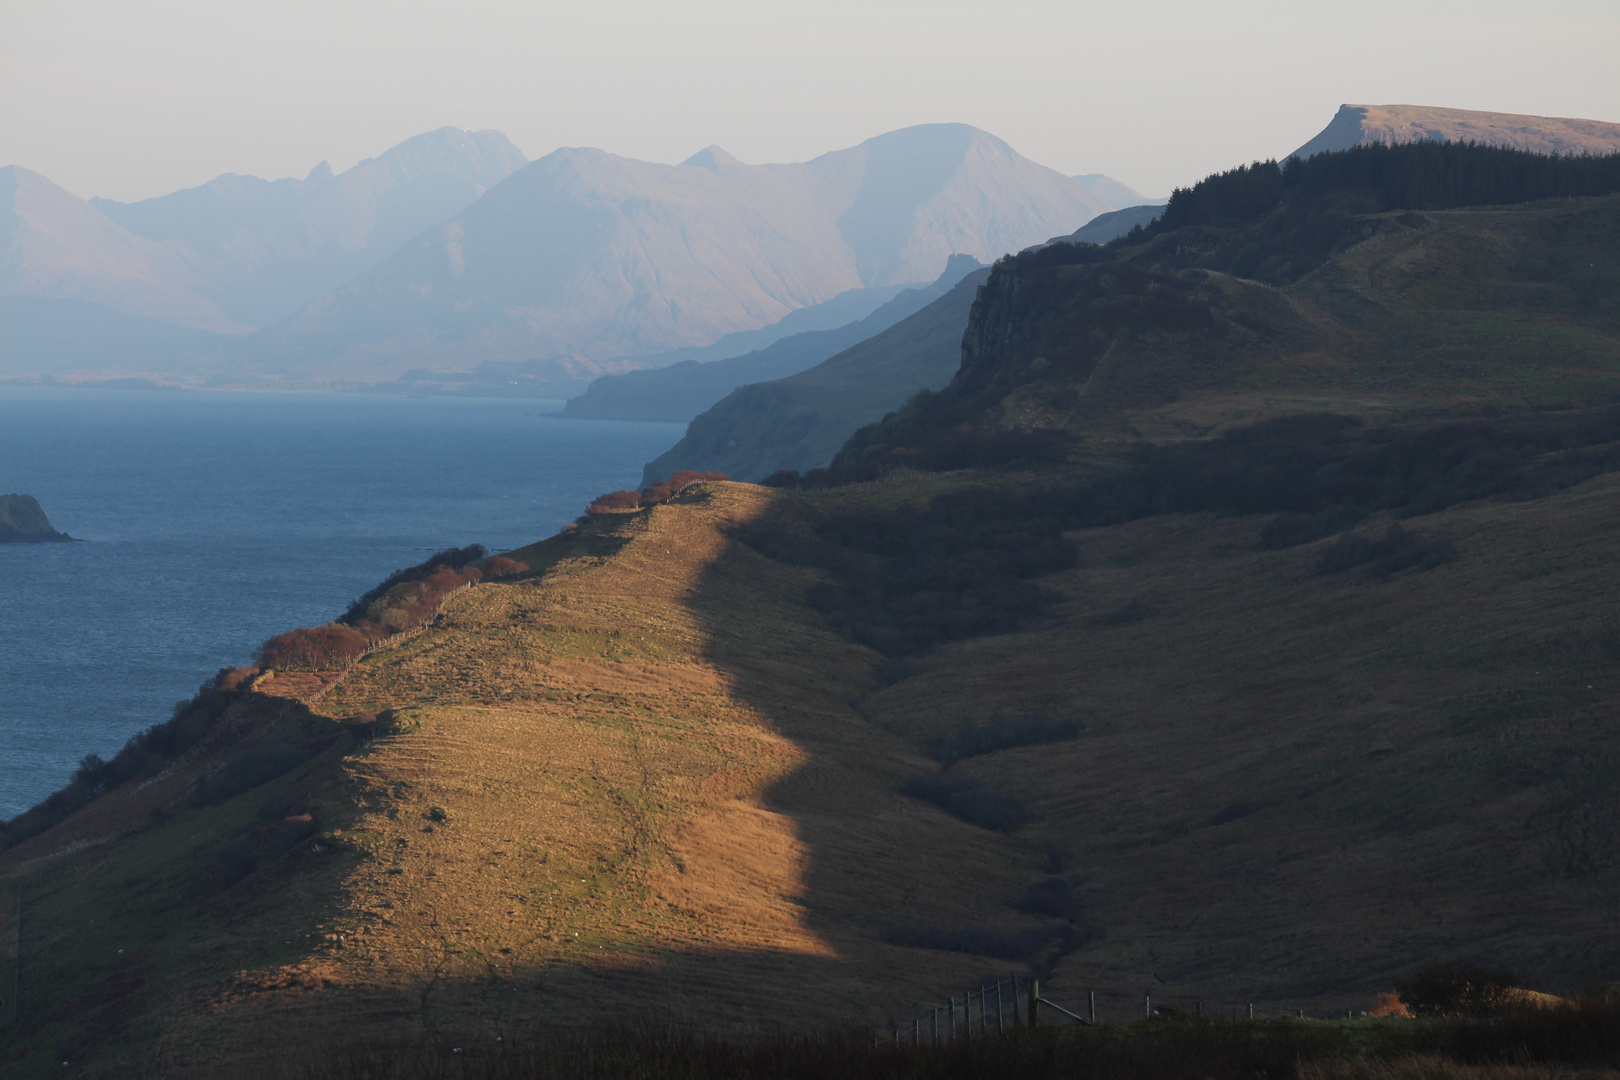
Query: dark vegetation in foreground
point(1583, 1034)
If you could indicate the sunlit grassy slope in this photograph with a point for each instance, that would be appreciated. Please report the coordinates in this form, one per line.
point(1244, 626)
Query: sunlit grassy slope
point(648, 781)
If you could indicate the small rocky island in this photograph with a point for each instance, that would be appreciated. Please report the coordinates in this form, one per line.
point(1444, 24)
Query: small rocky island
point(23, 522)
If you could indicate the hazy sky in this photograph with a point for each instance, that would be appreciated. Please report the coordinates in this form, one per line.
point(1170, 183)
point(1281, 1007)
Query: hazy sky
point(128, 100)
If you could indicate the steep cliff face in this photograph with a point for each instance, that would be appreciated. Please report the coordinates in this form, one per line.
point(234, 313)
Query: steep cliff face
point(799, 422)
point(22, 521)
point(1324, 301)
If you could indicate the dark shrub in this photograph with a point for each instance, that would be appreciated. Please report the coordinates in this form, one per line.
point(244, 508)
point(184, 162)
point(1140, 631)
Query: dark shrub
point(685, 478)
point(970, 799)
point(500, 566)
point(782, 478)
point(998, 735)
point(908, 579)
point(247, 770)
point(1400, 549)
point(1133, 611)
point(454, 558)
point(277, 805)
point(1054, 897)
point(898, 669)
point(1455, 988)
point(314, 647)
point(91, 775)
point(980, 941)
point(1234, 812)
point(623, 499)
point(292, 831)
point(230, 863)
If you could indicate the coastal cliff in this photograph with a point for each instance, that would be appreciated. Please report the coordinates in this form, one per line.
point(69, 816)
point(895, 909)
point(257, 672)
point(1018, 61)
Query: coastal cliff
point(23, 522)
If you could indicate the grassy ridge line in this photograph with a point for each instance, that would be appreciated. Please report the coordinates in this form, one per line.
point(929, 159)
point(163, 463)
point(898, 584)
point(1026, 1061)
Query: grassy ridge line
point(599, 774)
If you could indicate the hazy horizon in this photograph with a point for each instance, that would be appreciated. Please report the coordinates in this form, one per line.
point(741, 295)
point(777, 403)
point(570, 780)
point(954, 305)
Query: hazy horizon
point(128, 103)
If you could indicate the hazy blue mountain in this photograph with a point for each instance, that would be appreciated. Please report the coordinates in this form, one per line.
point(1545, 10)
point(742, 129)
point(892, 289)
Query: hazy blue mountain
point(1354, 125)
point(55, 245)
point(566, 376)
point(585, 254)
point(682, 391)
point(801, 421)
point(52, 336)
point(843, 309)
point(265, 247)
point(1114, 193)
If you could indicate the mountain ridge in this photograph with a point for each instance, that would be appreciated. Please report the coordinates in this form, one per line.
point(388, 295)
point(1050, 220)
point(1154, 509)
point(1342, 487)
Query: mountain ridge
point(644, 257)
point(267, 246)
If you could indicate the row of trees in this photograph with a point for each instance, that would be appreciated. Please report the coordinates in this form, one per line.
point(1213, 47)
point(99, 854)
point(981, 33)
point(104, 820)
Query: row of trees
point(1408, 176)
point(659, 492)
point(411, 600)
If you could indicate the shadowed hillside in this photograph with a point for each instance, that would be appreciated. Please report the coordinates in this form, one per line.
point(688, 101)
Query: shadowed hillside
point(799, 422)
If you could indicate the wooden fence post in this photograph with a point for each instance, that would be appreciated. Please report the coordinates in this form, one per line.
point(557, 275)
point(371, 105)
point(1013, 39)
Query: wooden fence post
point(1034, 1003)
point(1147, 1005)
point(1001, 1021)
point(1091, 1006)
point(933, 1023)
point(1251, 1010)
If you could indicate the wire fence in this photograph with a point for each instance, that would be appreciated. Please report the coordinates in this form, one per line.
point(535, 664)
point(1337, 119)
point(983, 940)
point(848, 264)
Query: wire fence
point(1016, 1002)
point(391, 639)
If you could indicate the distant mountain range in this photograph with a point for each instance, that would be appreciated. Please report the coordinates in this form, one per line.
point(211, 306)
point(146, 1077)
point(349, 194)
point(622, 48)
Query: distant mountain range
point(449, 252)
point(588, 254)
point(264, 247)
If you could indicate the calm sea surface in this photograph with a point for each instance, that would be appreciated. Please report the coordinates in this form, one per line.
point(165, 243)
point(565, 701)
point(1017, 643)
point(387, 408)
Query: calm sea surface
point(214, 520)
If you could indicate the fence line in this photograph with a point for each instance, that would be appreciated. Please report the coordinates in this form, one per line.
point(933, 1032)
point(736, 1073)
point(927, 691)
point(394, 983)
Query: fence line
point(1017, 1002)
point(391, 639)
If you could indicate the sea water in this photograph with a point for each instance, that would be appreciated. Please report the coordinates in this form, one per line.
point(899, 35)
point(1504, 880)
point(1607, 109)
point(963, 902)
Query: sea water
point(211, 521)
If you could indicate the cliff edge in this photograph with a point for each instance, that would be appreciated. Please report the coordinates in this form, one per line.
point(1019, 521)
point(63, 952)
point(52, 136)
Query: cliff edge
point(23, 522)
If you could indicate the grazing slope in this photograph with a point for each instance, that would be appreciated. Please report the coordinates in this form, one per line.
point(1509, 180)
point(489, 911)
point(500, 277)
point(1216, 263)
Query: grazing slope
point(799, 422)
point(584, 253)
point(1359, 125)
point(1101, 714)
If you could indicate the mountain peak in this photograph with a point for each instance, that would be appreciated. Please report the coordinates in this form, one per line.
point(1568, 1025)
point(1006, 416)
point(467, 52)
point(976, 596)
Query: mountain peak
point(711, 157)
point(320, 174)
